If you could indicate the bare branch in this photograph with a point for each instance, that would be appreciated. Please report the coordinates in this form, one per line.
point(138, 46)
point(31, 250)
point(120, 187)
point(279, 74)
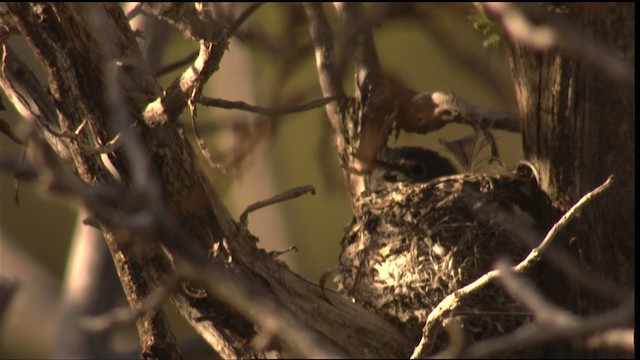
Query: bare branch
point(330, 80)
point(154, 224)
point(273, 321)
point(101, 200)
point(194, 116)
point(543, 30)
point(151, 36)
point(287, 195)
point(119, 119)
point(76, 100)
point(106, 148)
point(521, 289)
point(552, 323)
point(195, 22)
point(241, 105)
point(451, 301)
point(190, 18)
point(177, 64)
point(492, 214)
point(473, 61)
point(126, 315)
point(376, 95)
point(168, 107)
point(426, 112)
point(535, 255)
point(243, 17)
point(454, 328)
point(30, 98)
point(155, 332)
point(360, 39)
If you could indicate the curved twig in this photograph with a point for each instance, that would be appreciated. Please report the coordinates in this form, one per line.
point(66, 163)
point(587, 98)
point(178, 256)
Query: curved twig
point(451, 301)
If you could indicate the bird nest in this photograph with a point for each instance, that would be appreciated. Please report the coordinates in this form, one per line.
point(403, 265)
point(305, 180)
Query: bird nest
point(411, 245)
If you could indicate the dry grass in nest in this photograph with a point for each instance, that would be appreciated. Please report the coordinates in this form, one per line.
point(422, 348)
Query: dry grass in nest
point(411, 245)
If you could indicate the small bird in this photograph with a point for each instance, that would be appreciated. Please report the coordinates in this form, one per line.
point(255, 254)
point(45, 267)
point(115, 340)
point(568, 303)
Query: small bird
point(407, 164)
point(414, 239)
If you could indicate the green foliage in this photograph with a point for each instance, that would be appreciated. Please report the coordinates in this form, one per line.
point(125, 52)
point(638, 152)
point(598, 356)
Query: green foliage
point(491, 31)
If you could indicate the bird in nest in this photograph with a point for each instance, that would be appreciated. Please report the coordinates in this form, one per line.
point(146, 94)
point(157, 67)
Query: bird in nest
point(415, 238)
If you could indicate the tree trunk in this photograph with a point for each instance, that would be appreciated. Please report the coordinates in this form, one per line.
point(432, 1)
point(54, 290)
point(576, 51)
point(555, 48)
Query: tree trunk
point(162, 176)
point(578, 129)
point(577, 125)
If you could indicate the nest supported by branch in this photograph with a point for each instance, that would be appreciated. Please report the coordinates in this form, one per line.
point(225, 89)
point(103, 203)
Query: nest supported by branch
point(411, 244)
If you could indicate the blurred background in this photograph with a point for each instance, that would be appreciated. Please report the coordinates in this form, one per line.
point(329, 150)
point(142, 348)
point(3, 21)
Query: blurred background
point(432, 47)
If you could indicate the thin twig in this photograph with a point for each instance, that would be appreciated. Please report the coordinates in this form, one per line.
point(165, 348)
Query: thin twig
point(241, 105)
point(190, 18)
point(494, 215)
point(177, 64)
point(474, 61)
point(119, 117)
point(106, 148)
point(451, 301)
point(454, 328)
point(287, 195)
point(194, 116)
point(153, 327)
point(552, 323)
point(254, 303)
point(535, 255)
point(126, 315)
point(525, 292)
point(206, 29)
point(27, 94)
point(243, 17)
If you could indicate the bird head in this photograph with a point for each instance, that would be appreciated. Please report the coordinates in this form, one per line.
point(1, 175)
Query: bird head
point(407, 164)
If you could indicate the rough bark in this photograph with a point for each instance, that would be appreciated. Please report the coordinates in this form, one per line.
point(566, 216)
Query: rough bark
point(67, 45)
point(578, 129)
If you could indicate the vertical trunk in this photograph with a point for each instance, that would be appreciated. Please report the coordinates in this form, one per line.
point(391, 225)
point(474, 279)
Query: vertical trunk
point(578, 128)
